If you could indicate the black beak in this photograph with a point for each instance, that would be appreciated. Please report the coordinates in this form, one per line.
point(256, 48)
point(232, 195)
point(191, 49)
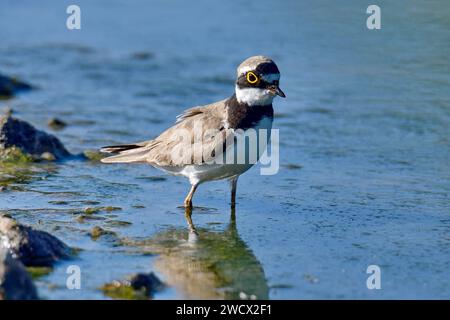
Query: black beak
point(276, 90)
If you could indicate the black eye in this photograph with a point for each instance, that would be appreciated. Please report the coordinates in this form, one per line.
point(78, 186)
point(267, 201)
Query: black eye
point(252, 78)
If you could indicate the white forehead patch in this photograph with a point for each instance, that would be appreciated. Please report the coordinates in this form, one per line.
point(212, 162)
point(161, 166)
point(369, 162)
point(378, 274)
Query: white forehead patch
point(245, 69)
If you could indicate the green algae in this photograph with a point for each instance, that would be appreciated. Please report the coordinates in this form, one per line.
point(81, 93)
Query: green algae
point(97, 232)
point(38, 272)
point(84, 217)
point(118, 223)
point(135, 287)
point(14, 156)
point(15, 167)
point(93, 155)
point(124, 291)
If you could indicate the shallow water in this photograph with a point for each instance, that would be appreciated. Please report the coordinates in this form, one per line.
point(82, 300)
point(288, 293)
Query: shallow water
point(364, 155)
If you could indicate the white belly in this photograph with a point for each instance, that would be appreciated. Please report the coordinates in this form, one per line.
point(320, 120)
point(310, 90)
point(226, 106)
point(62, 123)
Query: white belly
point(217, 171)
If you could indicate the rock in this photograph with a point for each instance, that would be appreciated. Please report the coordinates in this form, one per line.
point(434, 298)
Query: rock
point(15, 282)
point(148, 282)
point(137, 287)
point(56, 124)
point(22, 135)
point(93, 155)
point(10, 86)
point(96, 232)
point(47, 156)
point(32, 247)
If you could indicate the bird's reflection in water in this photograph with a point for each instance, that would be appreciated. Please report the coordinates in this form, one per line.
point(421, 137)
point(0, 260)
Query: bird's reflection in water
point(204, 264)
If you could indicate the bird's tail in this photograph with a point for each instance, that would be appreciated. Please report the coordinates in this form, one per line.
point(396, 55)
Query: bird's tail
point(119, 148)
point(126, 153)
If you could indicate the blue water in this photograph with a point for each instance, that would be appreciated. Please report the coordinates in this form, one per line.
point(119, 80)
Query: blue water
point(364, 145)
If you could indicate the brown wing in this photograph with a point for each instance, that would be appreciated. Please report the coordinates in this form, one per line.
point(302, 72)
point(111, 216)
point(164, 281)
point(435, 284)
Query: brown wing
point(197, 137)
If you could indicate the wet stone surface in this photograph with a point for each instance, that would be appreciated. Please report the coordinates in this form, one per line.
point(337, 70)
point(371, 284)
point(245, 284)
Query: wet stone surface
point(15, 282)
point(32, 247)
point(15, 133)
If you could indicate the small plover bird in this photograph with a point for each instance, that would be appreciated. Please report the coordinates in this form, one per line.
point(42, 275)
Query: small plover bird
point(198, 146)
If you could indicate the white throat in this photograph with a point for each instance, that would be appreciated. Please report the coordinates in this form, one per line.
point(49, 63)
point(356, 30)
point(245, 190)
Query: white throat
point(254, 96)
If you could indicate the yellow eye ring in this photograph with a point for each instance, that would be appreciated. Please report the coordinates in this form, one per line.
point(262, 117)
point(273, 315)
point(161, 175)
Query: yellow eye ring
point(252, 78)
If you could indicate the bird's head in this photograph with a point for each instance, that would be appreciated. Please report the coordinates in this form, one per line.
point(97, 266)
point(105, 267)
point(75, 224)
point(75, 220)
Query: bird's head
point(257, 82)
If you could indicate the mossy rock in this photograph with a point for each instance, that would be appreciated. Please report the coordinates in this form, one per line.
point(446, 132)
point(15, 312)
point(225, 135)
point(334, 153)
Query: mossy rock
point(123, 291)
point(140, 286)
point(97, 232)
point(14, 155)
point(18, 134)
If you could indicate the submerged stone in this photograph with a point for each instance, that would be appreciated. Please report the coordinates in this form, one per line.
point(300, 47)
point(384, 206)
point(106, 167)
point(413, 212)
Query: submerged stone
point(32, 247)
point(96, 232)
point(93, 155)
point(18, 134)
point(92, 210)
point(118, 223)
point(56, 124)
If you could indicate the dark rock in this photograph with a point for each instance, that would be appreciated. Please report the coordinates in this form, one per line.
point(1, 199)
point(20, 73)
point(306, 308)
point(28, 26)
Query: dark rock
point(137, 287)
point(148, 282)
point(10, 86)
point(22, 135)
point(15, 282)
point(32, 247)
